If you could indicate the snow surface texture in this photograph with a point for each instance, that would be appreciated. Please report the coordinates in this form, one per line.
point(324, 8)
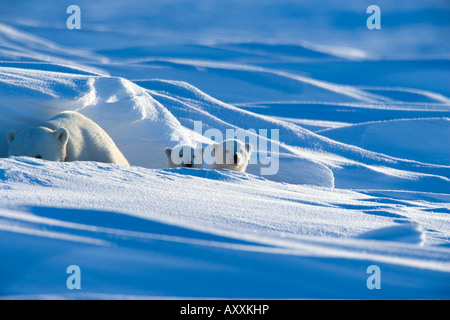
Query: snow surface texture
point(364, 162)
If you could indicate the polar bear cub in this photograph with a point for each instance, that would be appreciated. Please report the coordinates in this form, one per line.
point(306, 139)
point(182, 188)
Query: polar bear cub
point(232, 155)
point(69, 136)
point(184, 156)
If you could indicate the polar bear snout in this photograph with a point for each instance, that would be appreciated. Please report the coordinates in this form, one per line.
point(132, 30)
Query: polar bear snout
point(184, 156)
point(236, 158)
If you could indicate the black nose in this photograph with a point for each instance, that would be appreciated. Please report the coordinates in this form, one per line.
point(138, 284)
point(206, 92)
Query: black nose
point(235, 159)
point(189, 165)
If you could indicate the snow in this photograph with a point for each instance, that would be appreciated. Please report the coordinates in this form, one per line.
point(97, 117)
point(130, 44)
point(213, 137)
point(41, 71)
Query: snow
point(363, 173)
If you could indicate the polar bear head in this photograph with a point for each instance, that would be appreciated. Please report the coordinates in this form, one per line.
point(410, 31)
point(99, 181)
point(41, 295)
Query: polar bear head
point(232, 155)
point(39, 142)
point(184, 156)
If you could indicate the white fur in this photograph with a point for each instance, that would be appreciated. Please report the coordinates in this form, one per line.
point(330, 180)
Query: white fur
point(68, 136)
point(231, 155)
point(184, 156)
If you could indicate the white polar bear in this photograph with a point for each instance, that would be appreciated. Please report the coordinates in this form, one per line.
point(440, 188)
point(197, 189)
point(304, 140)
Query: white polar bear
point(68, 136)
point(184, 156)
point(232, 155)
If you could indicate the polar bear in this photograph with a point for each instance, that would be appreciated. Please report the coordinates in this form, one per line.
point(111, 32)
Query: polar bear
point(184, 156)
point(69, 136)
point(232, 155)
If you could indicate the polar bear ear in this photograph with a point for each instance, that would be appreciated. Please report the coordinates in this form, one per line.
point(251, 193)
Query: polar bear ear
point(62, 135)
point(168, 152)
point(11, 135)
point(248, 147)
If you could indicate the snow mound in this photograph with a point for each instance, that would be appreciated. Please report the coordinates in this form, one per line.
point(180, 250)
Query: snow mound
point(140, 126)
point(408, 233)
point(305, 157)
point(144, 119)
point(424, 140)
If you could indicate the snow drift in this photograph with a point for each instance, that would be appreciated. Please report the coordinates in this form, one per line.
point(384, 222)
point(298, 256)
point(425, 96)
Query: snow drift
point(421, 140)
point(364, 168)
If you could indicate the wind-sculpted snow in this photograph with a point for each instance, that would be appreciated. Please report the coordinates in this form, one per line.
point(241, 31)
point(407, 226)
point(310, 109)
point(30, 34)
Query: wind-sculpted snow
point(143, 122)
point(416, 139)
point(357, 125)
point(140, 126)
point(187, 225)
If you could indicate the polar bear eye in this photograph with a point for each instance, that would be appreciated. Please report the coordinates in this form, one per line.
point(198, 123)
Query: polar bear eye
point(38, 157)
